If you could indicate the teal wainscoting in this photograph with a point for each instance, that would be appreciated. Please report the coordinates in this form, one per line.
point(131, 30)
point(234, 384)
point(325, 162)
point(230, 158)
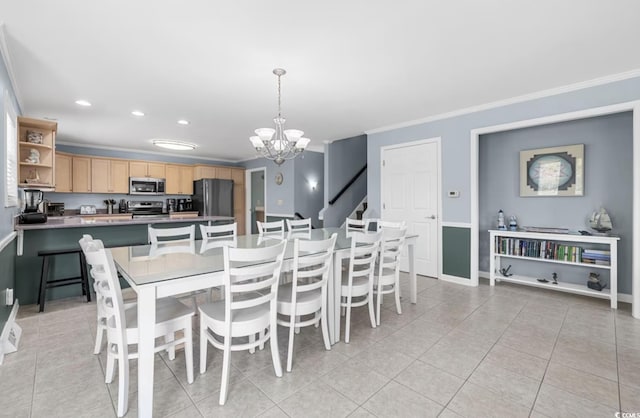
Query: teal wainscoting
point(456, 251)
point(7, 278)
point(29, 265)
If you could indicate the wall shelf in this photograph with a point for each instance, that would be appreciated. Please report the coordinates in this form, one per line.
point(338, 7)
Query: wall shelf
point(572, 240)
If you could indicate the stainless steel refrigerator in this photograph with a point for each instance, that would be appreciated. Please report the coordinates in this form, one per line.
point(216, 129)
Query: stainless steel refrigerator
point(213, 197)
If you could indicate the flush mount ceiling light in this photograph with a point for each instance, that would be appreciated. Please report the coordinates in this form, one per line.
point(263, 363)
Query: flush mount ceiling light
point(183, 122)
point(173, 145)
point(84, 103)
point(277, 144)
point(137, 113)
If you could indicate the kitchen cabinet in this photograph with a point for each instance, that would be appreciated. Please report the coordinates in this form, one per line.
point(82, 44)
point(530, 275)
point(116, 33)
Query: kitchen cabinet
point(147, 169)
point(204, 172)
point(36, 153)
point(223, 173)
point(109, 176)
point(81, 178)
point(64, 173)
point(179, 179)
point(237, 175)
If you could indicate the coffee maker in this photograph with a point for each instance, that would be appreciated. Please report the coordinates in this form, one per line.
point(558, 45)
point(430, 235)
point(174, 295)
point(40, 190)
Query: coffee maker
point(171, 205)
point(32, 213)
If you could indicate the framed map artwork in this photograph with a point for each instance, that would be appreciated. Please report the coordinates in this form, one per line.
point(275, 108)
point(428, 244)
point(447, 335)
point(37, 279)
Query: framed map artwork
point(556, 171)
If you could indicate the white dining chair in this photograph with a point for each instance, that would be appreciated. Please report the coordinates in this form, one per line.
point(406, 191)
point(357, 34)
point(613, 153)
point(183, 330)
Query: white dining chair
point(217, 236)
point(101, 316)
point(306, 294)
point(360, 275)
point(387, 278)
point(298, 226)
point(355, 225)
point(249, 308)
point(171, 317)
point(275, 228)
point(173, 235)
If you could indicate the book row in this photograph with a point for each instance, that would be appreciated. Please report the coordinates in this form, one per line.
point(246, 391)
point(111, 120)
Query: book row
point(550, 250)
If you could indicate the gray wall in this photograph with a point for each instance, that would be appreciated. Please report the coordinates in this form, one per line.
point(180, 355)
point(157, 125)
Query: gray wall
point(455, 131)
point(6, 214)
point(608, 149)
point(275, 193)
point(455, 134)
point(343, 159)
point(309, 202)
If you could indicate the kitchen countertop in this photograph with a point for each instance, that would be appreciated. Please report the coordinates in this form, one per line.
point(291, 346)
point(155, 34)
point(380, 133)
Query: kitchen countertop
point(56, 222)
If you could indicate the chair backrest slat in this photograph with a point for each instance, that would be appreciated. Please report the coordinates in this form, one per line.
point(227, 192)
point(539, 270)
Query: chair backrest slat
point(248, 271)
point(181, 234)
point(299, 225)
point(311, 262)
point(275, 228)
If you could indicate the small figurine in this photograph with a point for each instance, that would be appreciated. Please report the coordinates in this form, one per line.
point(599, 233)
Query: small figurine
point(505, 271)
point(501, 225)
point(594, 282)
point(34, 156)
point(513, 223)
point(554, 276)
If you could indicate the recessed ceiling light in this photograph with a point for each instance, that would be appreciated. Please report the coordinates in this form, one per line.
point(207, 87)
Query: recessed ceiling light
point(83, 103)
point(137, 113)
point(173, 145)
point(183, 122)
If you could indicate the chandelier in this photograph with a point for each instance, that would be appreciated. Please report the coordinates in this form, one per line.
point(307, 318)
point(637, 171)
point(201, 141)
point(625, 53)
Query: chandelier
point(278, 144)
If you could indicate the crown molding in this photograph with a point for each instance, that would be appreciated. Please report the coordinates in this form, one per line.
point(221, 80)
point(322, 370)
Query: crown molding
point(166, 154)
point(4, 51)
point(518, 99)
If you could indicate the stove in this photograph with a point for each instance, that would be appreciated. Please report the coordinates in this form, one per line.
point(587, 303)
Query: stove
point(146, 209)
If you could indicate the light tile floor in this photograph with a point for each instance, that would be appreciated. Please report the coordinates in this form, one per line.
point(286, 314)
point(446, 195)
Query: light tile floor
point(461, 351)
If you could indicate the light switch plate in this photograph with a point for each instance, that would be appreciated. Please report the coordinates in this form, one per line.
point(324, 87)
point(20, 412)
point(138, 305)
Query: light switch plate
point(453, 193)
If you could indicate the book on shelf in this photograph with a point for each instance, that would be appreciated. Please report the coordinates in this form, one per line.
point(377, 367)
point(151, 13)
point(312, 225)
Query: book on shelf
point(599, 252)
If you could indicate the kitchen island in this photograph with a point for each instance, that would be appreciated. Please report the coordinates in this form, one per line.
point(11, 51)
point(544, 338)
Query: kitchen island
point(63, 232)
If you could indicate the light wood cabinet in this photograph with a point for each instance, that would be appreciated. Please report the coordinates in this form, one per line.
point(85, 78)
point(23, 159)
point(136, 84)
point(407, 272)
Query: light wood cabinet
point(64, 173)
point(179, 179)
point(36, 153)
point(204, 172)
point(81, 169)
point(223, 173)
point(147, 169)
point(109, 176)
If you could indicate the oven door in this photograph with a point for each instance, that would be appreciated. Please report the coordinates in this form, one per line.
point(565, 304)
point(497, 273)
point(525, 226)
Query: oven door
point(145, 186)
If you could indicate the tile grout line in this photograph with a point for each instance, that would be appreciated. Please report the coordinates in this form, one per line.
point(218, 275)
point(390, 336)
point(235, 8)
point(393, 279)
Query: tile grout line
point(488, 351)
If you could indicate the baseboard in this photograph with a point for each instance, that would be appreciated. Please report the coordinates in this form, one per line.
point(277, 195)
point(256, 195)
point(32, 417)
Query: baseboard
point(455, 279)
point(11, 333)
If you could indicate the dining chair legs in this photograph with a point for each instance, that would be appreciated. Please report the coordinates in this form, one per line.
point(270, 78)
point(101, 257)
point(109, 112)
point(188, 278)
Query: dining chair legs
point(226, 361)
point(99, 333)
point(123, 384)
point(188, 353)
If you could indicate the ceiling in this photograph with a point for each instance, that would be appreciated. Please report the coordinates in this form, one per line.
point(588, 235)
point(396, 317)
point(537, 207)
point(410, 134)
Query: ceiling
point(352, 65)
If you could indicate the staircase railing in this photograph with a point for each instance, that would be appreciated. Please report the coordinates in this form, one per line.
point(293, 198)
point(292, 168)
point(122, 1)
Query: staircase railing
point(349, 183)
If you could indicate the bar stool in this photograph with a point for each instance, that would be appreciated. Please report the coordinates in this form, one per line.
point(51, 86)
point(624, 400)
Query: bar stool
point(45, 283)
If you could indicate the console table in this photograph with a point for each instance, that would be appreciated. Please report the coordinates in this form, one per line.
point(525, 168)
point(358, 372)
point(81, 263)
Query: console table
point(508, 244)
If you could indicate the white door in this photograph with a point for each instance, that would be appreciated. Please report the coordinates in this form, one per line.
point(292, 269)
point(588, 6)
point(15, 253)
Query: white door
point(410, 192)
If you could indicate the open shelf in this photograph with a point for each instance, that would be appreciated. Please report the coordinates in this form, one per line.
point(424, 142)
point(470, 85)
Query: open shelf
point(561, 287)
point(537, 241)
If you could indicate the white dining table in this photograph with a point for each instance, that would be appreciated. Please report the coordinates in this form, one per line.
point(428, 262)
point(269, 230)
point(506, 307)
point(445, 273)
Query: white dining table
point(156, 274)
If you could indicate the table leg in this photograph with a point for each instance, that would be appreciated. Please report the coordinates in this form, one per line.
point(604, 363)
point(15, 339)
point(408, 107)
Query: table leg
point(412, 274)
point(146, 345)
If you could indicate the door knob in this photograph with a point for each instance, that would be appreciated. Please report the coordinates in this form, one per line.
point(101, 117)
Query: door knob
point(430, 217)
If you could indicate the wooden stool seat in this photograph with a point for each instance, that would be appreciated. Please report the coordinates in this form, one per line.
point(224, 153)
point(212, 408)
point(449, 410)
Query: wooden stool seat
point(46, 283)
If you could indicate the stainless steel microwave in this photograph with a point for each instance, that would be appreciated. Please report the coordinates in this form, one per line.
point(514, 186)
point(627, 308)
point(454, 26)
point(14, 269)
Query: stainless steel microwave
point(146, 186)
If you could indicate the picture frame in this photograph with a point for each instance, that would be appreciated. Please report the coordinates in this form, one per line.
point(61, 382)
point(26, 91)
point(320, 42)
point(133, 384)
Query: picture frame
point(554, 171)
